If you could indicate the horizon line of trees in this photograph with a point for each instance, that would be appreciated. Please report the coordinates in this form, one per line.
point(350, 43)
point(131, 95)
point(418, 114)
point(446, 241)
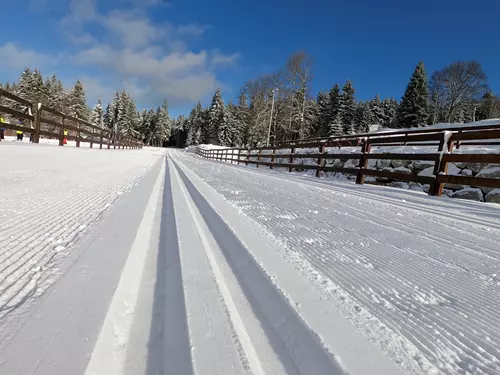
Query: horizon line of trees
point(280, 107)
point(121, 115)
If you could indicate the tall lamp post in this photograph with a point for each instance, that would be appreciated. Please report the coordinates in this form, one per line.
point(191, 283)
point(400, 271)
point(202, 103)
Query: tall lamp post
point(271, 119)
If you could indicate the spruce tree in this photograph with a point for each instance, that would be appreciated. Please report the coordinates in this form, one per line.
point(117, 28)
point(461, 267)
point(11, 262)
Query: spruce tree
point(78, 102)
point(217, 120)
point(377, 112)
point(323, 117)
point(348, 107)
point(97, 114)
point(205, 126)
point(363, 117)
point(163, 127)
point(390, 107)
point(413, 111)
point(25, 85)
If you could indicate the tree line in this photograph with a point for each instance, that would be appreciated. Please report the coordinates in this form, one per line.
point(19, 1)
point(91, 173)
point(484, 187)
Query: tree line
point(280, 107)
point(121, 115)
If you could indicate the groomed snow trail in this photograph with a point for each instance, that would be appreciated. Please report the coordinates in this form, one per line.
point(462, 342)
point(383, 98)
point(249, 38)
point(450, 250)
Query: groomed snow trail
point(238, 322)
point(49, 196)
point(418, 276)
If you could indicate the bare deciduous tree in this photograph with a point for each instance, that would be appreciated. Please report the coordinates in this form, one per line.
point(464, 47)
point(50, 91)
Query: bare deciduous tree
point(456, 85)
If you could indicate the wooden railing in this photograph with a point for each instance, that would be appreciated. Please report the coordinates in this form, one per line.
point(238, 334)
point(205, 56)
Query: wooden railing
point(425, 130)
point(364, 149)
point(41, 120)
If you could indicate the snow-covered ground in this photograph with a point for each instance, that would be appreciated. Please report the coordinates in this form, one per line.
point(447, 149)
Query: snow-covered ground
point(209, 268)
point(418, 276)
point(49, 196)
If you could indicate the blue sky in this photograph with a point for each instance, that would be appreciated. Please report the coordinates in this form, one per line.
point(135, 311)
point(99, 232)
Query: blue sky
point(182, 50)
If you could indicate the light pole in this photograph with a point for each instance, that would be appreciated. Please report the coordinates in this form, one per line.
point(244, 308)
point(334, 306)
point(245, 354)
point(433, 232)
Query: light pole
point(271, 119)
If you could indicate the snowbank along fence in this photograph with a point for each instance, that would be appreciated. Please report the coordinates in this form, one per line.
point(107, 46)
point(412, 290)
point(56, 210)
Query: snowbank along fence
point(41, 120)
point(364, 149)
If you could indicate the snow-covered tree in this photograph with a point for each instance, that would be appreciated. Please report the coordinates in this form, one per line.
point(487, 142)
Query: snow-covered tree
point(377, 112)
point(348, 105)
point(390, 111)
point(216, 119)
point(78, 102)
point(97, 114)
point(413, 111)
point(323, 116)
point(363, 117)
point(163, 126)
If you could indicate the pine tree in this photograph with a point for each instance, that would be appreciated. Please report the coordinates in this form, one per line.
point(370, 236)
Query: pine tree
point(97, 114)
point(193, 136)
point(413, 111)
point(205, 126)
point(163, 130)
point(225, 129)
point(363, 117)
point(108, 117)
point(216, 119)
point(24, 88)
point(78, 102)
point(38, 90)
point(390, 107)
point(323, 118)
point(241, 119)
point(377, 112)
point(348, 107)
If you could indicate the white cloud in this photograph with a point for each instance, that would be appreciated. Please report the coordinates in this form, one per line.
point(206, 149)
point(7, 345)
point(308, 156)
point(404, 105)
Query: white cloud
point(132, 29)
point(12, 56)
point(151, 61)
point(192, 29)
point(220, 59)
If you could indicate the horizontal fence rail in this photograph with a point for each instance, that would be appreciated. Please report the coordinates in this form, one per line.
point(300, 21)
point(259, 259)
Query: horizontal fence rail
point(453, 128)
point(362, 149)
point(41, 120)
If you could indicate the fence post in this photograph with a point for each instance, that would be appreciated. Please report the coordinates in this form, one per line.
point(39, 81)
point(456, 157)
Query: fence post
point(458, 142)
point(273, 155)
point(321, 161)
point(292, 151)
point(61, 133)
point(239, 153)
point(38, 119)
point(363, 162)
point(248, 156)
point(440, 166)
point(259, 158)
point(77, 133)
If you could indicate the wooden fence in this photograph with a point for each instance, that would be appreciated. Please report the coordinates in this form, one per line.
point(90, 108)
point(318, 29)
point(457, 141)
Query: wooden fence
point(452, 128)
point(43, 121)
point(446, 142)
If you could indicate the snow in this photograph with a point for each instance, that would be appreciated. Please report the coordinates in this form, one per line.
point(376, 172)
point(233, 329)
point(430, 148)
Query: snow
point(109, 355)
point(446, 125)
point(415, 274)
point(49, 198)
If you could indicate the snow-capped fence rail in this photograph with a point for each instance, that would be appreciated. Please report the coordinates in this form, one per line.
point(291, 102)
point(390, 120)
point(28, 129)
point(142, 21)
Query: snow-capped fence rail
point(360, 157)
point(459, 128)
point(40, 120)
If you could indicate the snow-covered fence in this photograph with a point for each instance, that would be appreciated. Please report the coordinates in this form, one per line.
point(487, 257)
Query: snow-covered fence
point(358, 157)
point(437, 128)
point(41, 120)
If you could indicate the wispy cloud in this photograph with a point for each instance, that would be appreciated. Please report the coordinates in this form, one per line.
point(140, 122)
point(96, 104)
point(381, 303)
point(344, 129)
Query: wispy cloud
point(127, 49)
point(192, 29)
point(220, 59)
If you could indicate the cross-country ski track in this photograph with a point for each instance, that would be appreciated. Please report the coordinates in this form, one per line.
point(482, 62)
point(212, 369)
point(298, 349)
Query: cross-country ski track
point(155, 261)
